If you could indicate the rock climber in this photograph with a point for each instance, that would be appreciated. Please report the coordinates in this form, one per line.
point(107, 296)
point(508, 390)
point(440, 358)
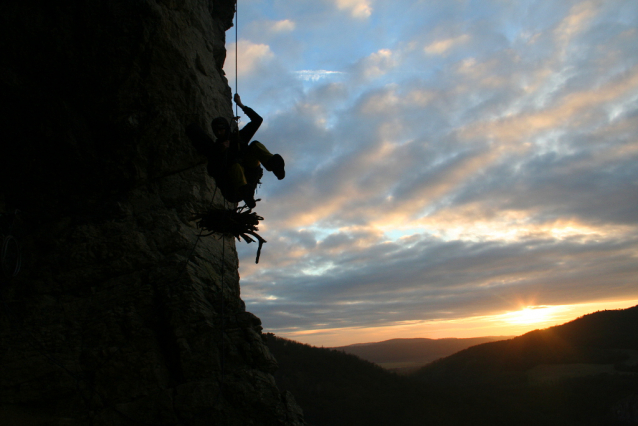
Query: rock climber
point(233, 161)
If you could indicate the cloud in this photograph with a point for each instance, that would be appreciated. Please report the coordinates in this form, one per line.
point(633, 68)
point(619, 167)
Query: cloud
point(440, 47)
point(387, 283)
point(573, 110)
point(285, 25)
point(381, 102)
point(251, 56)
point(359, 9)
point(376, 65)
point(496, 170)
point(267, 29)
point(580, 15)
point(316, 75)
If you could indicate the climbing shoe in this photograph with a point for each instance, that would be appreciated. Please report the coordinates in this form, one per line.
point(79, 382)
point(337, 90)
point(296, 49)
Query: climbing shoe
point(276, 165)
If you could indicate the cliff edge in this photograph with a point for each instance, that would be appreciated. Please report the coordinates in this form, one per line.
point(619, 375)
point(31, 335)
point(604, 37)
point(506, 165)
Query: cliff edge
point(120, 314)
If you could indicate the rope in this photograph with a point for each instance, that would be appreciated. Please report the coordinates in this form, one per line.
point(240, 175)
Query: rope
point(236, 49)
point(198, 236)
point(223, 239)
point(225, 208)
point(223, 328)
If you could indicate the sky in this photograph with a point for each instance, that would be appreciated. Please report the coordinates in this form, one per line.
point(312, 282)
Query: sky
point(453, 169)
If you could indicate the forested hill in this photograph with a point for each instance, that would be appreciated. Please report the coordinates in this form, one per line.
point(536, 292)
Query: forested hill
point(335, 388)
point(489, 384)
point(403, 355)
point(605, 337)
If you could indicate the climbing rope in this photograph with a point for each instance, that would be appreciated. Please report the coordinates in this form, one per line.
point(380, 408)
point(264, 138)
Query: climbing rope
point(236, 50)
point(239, 222)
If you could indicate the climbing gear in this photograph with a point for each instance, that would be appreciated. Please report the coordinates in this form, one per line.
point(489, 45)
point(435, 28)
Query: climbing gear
point(240, 222)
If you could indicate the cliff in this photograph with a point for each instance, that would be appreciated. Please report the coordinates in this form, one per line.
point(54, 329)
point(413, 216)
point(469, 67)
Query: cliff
point(121, 315)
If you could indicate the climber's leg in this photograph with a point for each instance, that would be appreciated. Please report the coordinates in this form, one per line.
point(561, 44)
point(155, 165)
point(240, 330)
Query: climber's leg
point(257, 153)
point(241, 189)
point(236, 175)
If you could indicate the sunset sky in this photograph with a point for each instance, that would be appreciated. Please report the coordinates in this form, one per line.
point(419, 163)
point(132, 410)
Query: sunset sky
point(454, 168)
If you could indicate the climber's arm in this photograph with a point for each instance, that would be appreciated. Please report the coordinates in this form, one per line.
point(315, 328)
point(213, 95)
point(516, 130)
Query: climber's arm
point(249, 130)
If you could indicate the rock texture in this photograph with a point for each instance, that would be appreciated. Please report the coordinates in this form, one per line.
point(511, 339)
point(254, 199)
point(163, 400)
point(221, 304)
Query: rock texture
point(121, 315)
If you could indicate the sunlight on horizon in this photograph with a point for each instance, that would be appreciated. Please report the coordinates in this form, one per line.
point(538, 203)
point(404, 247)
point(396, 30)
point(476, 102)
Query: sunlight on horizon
point(533, 315)
point(514, 323)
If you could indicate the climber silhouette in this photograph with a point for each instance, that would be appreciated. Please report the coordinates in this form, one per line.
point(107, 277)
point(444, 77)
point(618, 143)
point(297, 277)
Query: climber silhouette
point(233, 162)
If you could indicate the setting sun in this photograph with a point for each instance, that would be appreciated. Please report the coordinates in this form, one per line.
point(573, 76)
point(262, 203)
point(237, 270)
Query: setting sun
point(531, 315)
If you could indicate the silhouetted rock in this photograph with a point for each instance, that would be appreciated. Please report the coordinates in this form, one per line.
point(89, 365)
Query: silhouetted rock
point(107, 324)
point(626, 410)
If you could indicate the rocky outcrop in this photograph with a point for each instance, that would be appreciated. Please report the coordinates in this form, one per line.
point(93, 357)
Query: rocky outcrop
point(626, 410)
point(121, 315)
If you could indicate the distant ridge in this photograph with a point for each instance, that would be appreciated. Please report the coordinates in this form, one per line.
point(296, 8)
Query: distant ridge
point(601, 338)
point(406, 355)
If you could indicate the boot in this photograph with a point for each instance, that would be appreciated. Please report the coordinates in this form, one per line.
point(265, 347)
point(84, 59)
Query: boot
point(276, 165)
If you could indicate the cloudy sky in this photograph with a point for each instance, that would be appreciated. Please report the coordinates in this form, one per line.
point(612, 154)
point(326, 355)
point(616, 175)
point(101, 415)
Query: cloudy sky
point(454, 168)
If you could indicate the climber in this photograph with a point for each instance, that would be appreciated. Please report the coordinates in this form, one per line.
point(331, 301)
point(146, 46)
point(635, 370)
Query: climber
point(233, 162)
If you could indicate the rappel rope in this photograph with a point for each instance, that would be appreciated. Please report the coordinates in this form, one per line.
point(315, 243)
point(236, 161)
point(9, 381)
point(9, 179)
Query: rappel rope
point(236, 50)
point(239, 223)
point(223, 357)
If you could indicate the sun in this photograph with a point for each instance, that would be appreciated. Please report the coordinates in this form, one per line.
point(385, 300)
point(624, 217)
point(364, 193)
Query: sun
point(530, 315)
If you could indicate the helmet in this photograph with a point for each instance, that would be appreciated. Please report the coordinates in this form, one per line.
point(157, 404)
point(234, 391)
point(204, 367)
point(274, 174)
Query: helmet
point(220, 122)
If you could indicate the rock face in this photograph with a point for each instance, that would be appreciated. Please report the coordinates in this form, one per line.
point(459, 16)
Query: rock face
point(121, 315)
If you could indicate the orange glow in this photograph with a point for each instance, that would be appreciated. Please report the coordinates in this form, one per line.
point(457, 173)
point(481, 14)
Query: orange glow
point(534, 315)
point(498, 324)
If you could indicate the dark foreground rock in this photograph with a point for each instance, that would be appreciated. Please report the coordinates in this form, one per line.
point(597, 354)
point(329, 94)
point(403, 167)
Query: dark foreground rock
point(121, 315)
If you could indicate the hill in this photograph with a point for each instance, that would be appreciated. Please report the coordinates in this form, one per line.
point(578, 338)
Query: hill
point(489, 384)
point(584, 372)
point(602, 338)
point(335, 388)
point(404, 356)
